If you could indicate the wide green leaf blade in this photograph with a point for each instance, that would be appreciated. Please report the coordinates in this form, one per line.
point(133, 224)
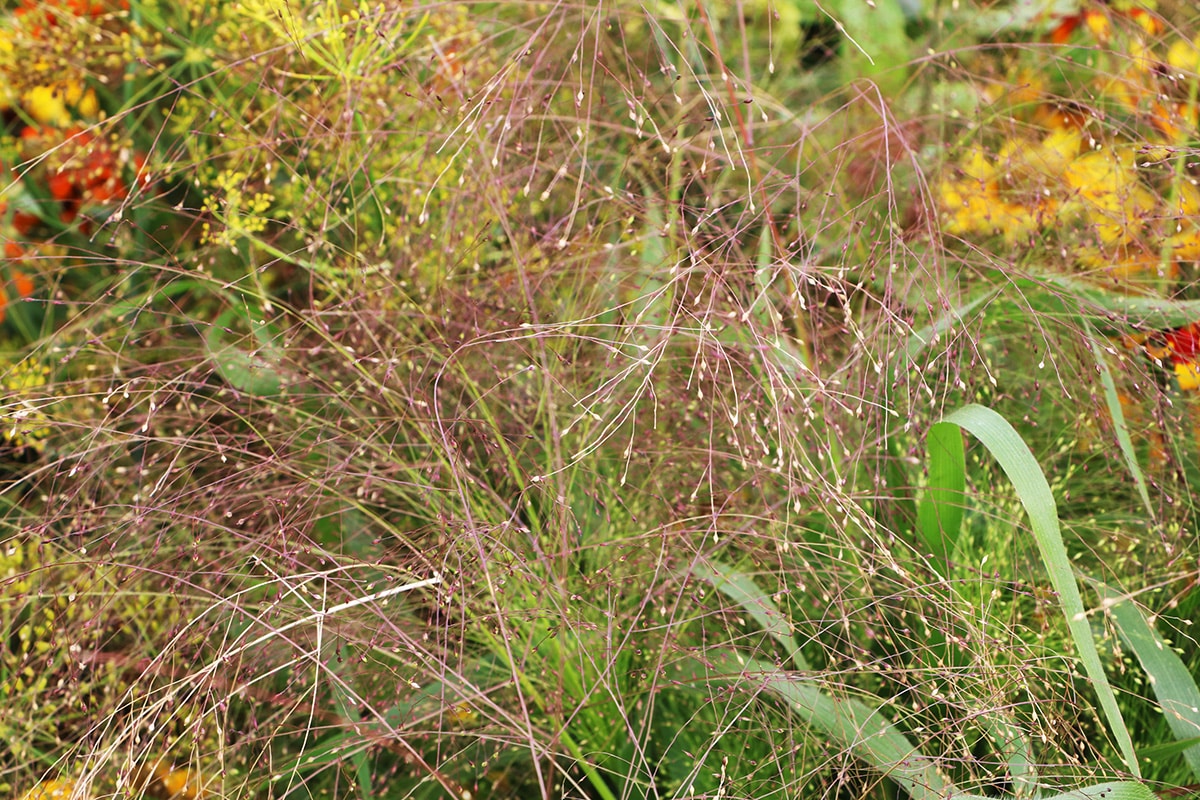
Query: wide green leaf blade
point(246, 367)
point(741, 589)
point(1018, 463)
point(1114, 790)
point(852, 725)
point(1167, 749)
point(939, 517)
point(1145, 311)
point(1013, 746)
point(1173, 684)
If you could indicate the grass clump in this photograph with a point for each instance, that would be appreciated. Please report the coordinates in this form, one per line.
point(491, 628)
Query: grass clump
point(500, 400)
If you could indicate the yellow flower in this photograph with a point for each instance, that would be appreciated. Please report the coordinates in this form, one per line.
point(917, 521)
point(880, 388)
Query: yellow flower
point(45, 105)
point(51, 104)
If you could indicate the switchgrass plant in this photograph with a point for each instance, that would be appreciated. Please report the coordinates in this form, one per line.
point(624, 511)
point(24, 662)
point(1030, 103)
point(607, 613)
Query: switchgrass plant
point(496, 400)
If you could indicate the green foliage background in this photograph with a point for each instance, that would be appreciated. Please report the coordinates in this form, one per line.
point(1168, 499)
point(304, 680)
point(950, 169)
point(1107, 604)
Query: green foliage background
point(625, 400)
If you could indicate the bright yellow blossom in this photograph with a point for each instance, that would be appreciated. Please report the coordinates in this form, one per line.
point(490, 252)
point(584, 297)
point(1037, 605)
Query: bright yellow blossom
point(52, 104)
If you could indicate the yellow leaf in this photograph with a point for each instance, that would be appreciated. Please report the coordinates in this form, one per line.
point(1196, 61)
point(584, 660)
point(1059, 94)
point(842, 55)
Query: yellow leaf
point(1183, 56)
point(53, 790)
point(1188, 376)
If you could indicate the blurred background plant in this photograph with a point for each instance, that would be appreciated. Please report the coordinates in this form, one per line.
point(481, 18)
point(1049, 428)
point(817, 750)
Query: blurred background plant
point(532, 400)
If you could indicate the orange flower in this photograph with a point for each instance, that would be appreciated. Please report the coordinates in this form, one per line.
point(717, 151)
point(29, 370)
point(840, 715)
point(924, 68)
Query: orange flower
point(81, 168)
point(61, 186)
point(1098, 20)
point(22, 283)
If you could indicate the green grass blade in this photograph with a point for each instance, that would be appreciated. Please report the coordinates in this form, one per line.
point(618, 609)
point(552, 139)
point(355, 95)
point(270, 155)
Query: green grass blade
point(1014, 747)
point(1018, 463)
point(357, 756)
point(919, 340)
point(858, 728)
point(741, 589)
point(1173, 684)
point(1115, 790)
point(1118, 417)
point(1167, 749)
point(940, 514)
point(1147, 311)
point(898, 512)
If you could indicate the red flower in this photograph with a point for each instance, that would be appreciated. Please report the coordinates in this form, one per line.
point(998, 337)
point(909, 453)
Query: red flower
point(40, 15)
point(1182, 344)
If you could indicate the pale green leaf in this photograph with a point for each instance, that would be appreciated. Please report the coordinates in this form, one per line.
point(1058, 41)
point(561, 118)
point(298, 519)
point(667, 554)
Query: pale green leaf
point(1172, 683)
point(940, 514)
point(851, 725)
point(1018, 463)
point(758, 605)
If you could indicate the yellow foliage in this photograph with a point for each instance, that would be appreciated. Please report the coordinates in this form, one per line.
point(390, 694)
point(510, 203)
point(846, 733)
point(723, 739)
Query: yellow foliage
point(1175, 121)
point(1095, 193)
point(54, 790)
point(1185, 245)
point(1028, 88)
point(180, 784)
point(963, 208)
point(1124, 264)
point(978, 167)
point(1184, 56)
point(1116, 203)
point(1188, 199)
point(1059, 149)
point(1188, 376)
